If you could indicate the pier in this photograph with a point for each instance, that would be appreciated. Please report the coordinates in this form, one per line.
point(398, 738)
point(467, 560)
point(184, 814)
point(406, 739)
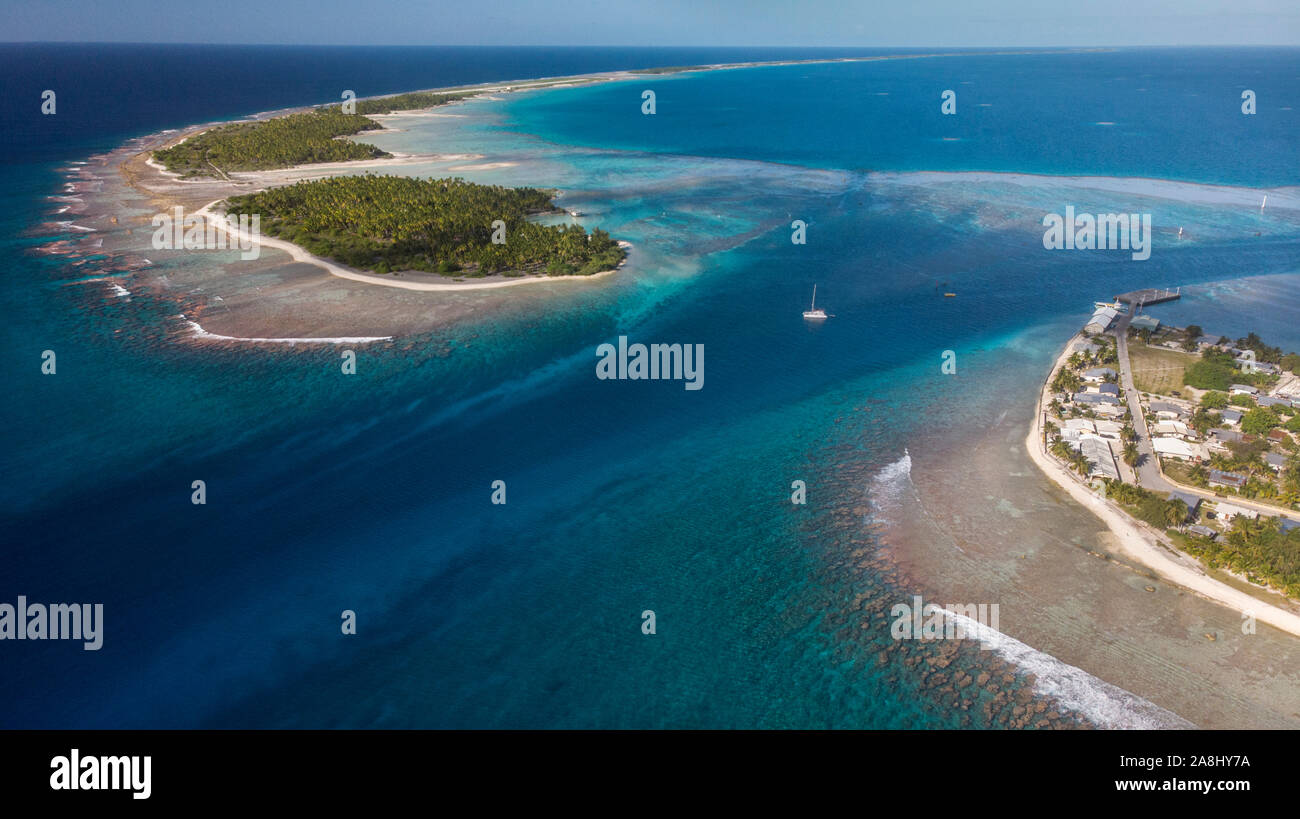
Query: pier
point(1141, 298)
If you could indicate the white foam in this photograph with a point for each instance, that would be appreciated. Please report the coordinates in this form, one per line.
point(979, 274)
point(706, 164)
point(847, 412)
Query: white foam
point(1073, 688)
point(889, 484)
point(199, 332)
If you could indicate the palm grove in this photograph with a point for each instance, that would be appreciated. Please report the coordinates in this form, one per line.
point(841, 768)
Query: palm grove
point(388, 223)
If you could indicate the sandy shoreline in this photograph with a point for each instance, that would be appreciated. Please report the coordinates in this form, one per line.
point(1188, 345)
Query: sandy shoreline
point(299, 254)
point(1140, 545)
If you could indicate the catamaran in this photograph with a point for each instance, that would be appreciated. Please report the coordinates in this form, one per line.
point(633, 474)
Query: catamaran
point(812, 312)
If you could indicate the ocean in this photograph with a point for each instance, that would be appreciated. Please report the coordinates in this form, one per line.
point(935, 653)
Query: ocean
point(371, 493)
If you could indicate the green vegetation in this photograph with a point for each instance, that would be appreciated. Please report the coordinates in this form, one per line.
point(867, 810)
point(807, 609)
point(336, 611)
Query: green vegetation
point(1203, 420)
point(387, 223)
point(407, 102)
point(1217, 370)
point(1214, 400)
point(1131, 453)
point(669, 69)
point(295, 139)
point(1146, 505)
point(1066, 380)
point(1259, 421)
point(1190, 333)
point(283, 142)
point(1075, 458)
point(1263, 352)
point(1256, 548)
point(1183, 472)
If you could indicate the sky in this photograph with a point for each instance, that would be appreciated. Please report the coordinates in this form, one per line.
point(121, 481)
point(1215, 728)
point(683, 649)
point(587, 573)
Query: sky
point(865, 23)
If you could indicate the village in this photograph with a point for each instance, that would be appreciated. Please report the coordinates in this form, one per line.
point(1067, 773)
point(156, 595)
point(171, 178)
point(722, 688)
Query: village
point(1194, 434)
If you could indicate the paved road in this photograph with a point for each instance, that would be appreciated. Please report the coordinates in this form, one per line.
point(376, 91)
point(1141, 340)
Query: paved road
point(1148, 472)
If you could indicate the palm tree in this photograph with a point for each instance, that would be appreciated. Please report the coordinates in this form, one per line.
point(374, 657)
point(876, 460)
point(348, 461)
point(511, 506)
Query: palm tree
point(1175, 512)
point(1131, 453)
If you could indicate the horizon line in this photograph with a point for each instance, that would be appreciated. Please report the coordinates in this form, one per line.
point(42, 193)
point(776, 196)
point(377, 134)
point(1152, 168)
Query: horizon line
point(628, 45)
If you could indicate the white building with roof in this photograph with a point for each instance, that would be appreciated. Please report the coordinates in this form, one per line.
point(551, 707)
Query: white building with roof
point(1228, 511)
point(1110, 429)
point(1102, 319)
point(1173, 448)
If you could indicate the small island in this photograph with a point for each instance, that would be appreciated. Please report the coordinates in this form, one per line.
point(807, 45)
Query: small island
point(378, 228)
point(385, 224)
point(303, 138)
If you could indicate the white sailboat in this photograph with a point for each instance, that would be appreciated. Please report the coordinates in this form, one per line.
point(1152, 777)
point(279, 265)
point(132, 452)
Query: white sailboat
point(812, 312)
point(1262, 204)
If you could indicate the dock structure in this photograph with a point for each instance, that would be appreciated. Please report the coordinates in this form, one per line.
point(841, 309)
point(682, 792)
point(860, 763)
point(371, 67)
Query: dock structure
point(1141, 298)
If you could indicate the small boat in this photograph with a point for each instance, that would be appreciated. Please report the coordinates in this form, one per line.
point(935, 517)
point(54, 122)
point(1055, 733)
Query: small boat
point(1262, 204)
point(812, 312)
point(950, 295)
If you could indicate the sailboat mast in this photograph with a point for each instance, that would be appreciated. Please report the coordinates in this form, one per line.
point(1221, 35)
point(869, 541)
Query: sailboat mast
point(814, 304)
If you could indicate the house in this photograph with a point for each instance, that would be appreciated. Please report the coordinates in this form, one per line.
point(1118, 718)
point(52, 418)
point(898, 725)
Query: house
point(1098, 374)
point(1192, 502)
point(1095, 398)
point(1277, 436)
point(1173, 448)
point(1231, 416)
point(1227, 435)
point(1276, 460)
point(1144, 322)
point(1244, 389)
point(1202, 531)
point(1175, 428)
point(1108, 389)
point(1097, 451)
point(1164, 409)
point(1209, 341)
point(1110, 429)
point(1230, 480)
point(1086, 347)
point(1272, 401)
point(1080, 425)
point(1227, 511)
point(1287, 525)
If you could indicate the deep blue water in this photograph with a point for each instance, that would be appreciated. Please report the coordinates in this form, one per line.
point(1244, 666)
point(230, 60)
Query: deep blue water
point(371, 493)
point(1166, 113)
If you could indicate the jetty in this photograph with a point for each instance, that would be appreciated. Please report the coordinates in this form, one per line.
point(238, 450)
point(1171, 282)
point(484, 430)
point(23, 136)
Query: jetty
point(1150, 295)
